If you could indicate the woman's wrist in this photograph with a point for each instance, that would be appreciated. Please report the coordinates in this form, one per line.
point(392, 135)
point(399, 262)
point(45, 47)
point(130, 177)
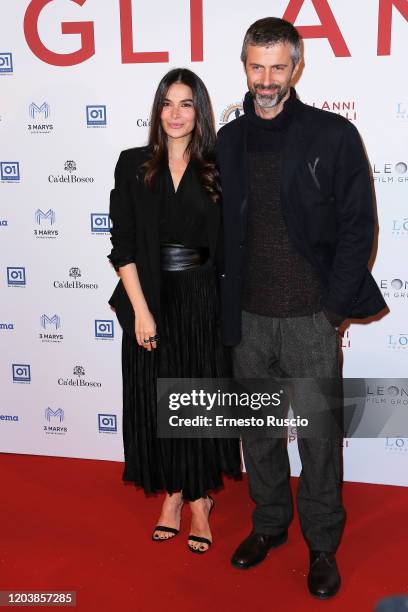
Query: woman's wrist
point(140, 310)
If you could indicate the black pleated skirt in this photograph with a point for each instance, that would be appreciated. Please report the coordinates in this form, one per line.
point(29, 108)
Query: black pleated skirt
point(190, 347)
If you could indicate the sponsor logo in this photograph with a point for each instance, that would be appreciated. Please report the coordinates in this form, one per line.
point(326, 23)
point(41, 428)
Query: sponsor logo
point(52, 417)
point(390, 172)
point(104, 329)
point(16, 277)
point(402, 110)
point(43, 110)
point(397, 341)
point(79, 372)
point(70, 168)
point(396, 445)
point(96, 116)
point(47, 323)
point(346, 108)
point(100, 223)
point(21, 372)
point(48, 216)
point(233, 111)
point(396, 288)
point(52, 321)
point(3, 223)
point(6, 63)
point(74, 273)
point(107, 423)
point(143, 123)
point(400, 227)
point(10, 171)
point(9, 417)
point(43, 219)
point(6, 326)
point(387, 394)
point(37, 114)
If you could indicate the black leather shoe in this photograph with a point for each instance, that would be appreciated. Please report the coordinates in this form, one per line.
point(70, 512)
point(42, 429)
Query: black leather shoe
point(324, 578)
point(255, 548)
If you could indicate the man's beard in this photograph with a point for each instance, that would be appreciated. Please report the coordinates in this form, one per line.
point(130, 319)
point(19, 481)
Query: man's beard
point(270, 100)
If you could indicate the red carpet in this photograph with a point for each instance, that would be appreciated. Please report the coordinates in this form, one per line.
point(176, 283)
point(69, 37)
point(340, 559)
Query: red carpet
point(70, 524)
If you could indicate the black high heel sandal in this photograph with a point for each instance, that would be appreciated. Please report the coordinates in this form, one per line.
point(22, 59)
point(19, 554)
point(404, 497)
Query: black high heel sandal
point(200, 539)
point(172, 530)
point(166, 529)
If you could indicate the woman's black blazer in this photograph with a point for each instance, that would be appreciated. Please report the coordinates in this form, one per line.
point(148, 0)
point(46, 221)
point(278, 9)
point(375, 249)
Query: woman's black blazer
point(134, 212)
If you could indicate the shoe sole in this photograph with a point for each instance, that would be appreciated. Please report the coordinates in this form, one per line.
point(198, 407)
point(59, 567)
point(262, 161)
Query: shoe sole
point(246, 567)
point(323, 597)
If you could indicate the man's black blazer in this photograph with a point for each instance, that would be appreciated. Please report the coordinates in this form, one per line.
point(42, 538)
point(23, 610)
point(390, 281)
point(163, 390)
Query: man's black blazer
point(134, 212)
point(327, 204)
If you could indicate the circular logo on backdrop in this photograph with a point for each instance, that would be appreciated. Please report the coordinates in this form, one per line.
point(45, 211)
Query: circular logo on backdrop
point(233, 111)
point(396, 284)
point(70, 166)
point(401, 168)
point(75, 272)
point(79, 371)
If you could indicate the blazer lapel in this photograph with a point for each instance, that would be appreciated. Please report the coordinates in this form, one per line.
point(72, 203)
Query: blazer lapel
point(293, 153)
point(147, 204)
point(235, 179)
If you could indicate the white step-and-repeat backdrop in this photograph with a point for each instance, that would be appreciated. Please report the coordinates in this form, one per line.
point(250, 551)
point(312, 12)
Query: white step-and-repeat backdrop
point(77, 79)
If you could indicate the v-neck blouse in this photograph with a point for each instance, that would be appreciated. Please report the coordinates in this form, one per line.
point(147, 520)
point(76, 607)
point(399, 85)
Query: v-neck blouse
point(183, 212)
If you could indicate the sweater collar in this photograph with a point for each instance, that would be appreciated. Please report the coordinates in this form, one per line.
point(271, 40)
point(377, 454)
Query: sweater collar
point(280, 122)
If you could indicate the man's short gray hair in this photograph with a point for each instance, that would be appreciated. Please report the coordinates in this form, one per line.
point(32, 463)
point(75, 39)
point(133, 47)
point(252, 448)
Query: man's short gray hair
point(272, 31)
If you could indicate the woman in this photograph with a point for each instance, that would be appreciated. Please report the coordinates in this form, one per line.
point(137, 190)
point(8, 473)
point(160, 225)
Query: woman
point(165, 213)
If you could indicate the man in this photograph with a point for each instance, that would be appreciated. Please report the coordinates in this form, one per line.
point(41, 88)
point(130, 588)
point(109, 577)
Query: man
point(298, 231)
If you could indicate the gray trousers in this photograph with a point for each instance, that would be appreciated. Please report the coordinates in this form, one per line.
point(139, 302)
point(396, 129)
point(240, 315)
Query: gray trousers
point(297, 347)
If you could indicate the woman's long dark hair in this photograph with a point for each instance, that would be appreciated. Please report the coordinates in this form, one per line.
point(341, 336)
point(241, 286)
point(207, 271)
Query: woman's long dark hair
point(201, 147)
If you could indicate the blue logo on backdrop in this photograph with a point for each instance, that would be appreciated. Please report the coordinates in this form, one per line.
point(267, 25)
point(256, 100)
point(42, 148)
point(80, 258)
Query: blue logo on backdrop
point(52, 429)
point(398, 341)
point(6, 326)
point(35, 110)
point(400, 226)
point(9, 417)
point(104, 328)
point(96, 115)
point(48, 216)
point(16, 277)
point(3, 223)
point(21, 373)
point(396, 445)
point(6, 63)
point(58, 414)
point(39, 113)
point(42, 218)
point(10, 171)
point(100, 223)
point(54, 320)
point(107, 423)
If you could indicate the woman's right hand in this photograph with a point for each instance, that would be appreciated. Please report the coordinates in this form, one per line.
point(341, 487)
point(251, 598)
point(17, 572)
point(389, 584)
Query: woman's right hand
point(145, 328)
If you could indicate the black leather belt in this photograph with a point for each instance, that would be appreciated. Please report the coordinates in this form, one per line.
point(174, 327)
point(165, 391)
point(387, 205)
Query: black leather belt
point(177, 257)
